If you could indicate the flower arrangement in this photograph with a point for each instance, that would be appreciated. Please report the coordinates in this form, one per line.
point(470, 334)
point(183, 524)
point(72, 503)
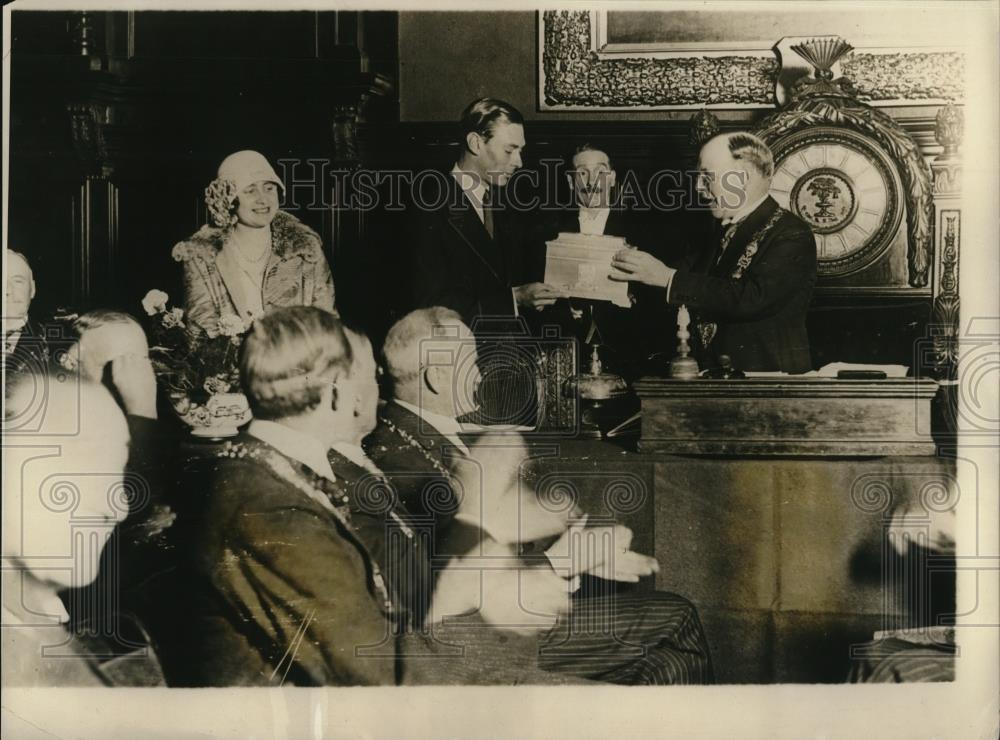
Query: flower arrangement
point(199, 371)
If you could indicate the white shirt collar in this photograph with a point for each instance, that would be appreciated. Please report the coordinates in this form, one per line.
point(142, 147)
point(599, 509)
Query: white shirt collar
point(447, 427)
point(294, 444)
point(744, 211)
point(473, 186)
point(28, 601)
point(593, 220)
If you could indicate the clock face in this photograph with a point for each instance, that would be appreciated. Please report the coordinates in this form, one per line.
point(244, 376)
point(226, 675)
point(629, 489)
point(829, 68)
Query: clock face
point(846, 188)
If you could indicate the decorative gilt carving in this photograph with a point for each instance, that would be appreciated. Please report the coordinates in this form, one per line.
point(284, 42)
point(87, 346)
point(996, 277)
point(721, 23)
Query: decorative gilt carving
point(910, 76)
point(945, 314)
point(575, 76)
point(819, 100)
point(947, 166)
point(704, 125)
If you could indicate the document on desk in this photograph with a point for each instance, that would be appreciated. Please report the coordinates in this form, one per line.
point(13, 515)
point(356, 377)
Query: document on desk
point(579, 264)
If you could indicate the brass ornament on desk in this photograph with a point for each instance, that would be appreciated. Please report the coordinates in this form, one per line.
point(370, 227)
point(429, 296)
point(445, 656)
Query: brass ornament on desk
point(600, 395)
point(683, 367)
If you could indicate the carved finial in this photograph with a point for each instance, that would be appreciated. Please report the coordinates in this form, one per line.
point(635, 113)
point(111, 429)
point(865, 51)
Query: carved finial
point(704, 125)
point(948, 129)
point(822, 53)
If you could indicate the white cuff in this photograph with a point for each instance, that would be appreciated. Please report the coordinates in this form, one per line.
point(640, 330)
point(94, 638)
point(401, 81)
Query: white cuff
point(513, 295)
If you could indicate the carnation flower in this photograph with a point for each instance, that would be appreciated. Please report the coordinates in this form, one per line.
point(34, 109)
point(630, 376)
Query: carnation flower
point(173, 317)
point(231, 325)
point(155, 302)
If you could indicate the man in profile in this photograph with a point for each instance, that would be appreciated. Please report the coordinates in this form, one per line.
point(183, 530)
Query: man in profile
point(472, 253)
point(750, 284)
point(25, 347)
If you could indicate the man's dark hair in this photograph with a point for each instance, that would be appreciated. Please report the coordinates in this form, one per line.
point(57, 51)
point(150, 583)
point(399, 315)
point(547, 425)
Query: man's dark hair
point(588, 147)
point(481, 117)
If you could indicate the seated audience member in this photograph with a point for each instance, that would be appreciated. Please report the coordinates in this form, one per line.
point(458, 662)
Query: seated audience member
point(416, 432)
point(276, 587)
point(485, 607)
point(75, 444)
point(25, 348)
point(253, 257)
point(111, 348)
point(417, 429)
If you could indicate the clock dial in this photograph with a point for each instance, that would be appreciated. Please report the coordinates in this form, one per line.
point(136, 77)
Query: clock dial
point(846, 188)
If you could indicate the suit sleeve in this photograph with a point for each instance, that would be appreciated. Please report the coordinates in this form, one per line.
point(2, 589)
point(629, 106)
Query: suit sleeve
point(434, 281)
point(302, 576)
point(787, 264)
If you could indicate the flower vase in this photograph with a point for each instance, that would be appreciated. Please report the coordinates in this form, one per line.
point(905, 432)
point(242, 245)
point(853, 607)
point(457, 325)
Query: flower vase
point(219, 417)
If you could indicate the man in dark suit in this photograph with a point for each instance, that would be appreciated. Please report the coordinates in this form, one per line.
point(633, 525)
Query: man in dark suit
point(277, 587)
point(628, 335)
point(425, 452)
point(469, 250)
point(471, 254)
point(25, 347)
point(750, 285)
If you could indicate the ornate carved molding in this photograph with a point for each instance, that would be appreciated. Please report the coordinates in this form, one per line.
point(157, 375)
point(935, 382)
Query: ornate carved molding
point(947, 169)
point(704, 126)
point(575, 76)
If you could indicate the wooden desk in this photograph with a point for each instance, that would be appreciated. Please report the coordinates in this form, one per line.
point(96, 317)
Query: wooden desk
point(771, 501)
point(787, 416)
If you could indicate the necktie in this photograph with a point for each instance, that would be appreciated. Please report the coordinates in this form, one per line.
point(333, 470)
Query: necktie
point(724, 242)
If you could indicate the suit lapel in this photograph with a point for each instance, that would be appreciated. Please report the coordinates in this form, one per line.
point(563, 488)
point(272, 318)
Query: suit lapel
point(462, 217)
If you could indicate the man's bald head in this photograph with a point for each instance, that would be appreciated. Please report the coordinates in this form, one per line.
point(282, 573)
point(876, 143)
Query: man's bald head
point(20, 287)
point(734, 169)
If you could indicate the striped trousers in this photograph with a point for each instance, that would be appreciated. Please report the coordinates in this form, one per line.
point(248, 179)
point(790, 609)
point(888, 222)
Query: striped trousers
point(634, 639)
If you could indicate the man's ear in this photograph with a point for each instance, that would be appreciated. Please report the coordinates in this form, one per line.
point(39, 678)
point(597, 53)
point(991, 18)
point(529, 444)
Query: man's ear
point(432, 379)
point(31, 294)
point(473, 142)
point(612, 179)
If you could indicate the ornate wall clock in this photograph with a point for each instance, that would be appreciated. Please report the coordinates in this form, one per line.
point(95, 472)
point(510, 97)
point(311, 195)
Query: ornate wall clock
point(846, 188)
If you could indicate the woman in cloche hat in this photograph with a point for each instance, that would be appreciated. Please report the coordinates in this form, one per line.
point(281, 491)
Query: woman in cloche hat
point(253, 257)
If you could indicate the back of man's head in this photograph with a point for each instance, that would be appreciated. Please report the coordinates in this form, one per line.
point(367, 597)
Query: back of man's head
point(289, 357)
point(407, 339)
point(104, 335)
